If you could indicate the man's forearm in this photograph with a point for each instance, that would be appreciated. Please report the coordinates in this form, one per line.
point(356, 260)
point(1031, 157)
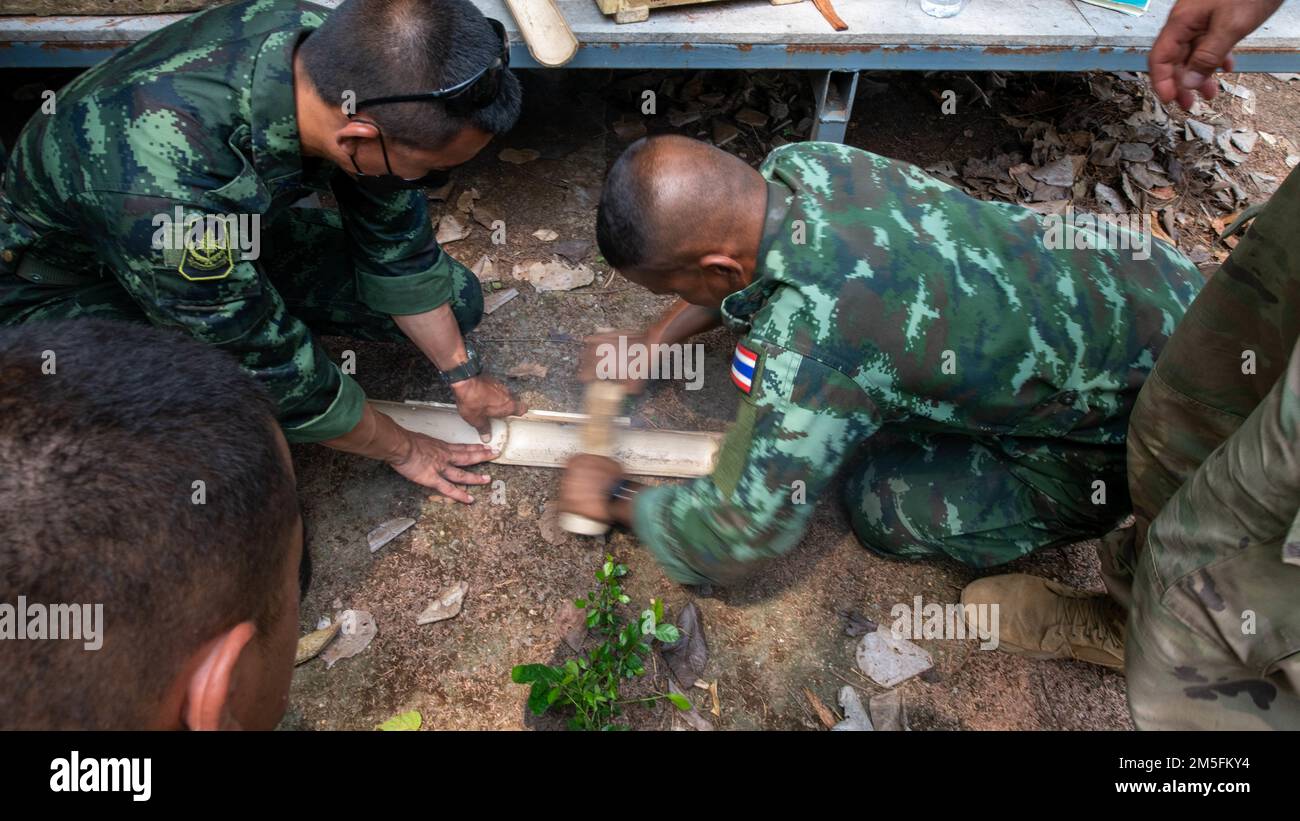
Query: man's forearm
point(437, 335)
point(375, 436)
point(682, 321)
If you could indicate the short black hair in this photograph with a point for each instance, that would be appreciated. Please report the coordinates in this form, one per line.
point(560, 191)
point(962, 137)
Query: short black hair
point(105, 430)
point(664, 192)
point(380, 48)
point(622, 226)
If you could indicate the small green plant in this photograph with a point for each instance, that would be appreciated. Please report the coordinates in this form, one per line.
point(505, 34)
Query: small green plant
point(589, 683)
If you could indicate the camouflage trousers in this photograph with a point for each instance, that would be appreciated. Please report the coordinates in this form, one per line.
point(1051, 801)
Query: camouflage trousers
point(980, 501)
point(1210, 571)
point(305, 254)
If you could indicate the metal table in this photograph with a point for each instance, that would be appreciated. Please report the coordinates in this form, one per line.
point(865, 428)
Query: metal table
point(1024, 35)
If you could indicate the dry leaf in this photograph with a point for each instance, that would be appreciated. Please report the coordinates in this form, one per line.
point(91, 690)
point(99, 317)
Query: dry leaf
point(496, 299)
point(571, 625)
point(357, 629)
point(888, 711)
point(888, 660)
point(310, 645)
point(688, 655)
point(629, 130)
point(555, 275)
point(527, 369)
point(1158, 229)
point(486, 270)
point(446, 606)
point(465, 202)
point(518, 156)
point(386, 532)
point(451, 230)
point(574, 250)
point(855, 715)
point(750, 117)
point(691, 716)
point(546, 235)
point(484, 216)
point(724, 132)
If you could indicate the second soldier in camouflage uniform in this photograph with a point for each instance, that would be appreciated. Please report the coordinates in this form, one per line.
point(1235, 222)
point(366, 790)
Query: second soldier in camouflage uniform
point(114, 203)
point(978, 380)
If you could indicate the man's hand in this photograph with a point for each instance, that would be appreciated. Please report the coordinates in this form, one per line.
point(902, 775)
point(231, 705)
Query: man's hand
point(1197, 40)
point(585, 486)
point(482, 399)
point(431, 462)
point(436, 464)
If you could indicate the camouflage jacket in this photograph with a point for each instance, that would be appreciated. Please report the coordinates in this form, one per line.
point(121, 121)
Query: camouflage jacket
point(198, 119)
point(883, 297)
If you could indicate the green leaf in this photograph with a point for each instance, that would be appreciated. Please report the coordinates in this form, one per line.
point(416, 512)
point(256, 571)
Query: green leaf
point(539, 698)
point(658, 608)
point(608, 569)
point(667, 633)
point(624, 599)
point(531, 673)
point(581, 604)
point(679, 701)
point(403, 721)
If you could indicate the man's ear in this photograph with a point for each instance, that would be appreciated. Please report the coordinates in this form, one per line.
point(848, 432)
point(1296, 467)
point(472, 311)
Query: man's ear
point(723, 266)
point(349, 137)
point(211, 685)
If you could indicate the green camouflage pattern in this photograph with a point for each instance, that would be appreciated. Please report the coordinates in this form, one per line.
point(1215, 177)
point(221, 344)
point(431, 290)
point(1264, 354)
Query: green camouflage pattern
point(886, 301)
point(200, 116)
point(1210, 571)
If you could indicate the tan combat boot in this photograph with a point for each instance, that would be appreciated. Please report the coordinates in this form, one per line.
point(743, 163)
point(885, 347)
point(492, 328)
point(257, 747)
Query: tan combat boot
point(1046, 620)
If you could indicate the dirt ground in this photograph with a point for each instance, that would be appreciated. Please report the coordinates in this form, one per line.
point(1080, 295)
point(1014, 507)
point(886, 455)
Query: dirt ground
point(769, 639)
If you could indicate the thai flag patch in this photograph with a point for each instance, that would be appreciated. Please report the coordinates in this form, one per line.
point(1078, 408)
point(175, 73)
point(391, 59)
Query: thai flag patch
point(742, 367)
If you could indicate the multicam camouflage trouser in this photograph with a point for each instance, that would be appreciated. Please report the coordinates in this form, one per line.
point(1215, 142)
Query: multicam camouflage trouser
point(1211, 570)
point(305, 255)
point(982, 502)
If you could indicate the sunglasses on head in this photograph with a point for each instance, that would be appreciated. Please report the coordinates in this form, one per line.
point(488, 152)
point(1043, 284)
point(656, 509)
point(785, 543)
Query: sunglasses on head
point(471, 94)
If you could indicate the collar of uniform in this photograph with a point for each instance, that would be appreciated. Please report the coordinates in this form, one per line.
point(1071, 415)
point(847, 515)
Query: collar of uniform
point(738, 307)
point(277, 149)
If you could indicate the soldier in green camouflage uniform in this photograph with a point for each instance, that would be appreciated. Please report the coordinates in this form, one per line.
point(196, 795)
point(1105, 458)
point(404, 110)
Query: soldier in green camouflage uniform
point(106, 199)
point(979, 380)
point(1208, 576)
point(1203, 587)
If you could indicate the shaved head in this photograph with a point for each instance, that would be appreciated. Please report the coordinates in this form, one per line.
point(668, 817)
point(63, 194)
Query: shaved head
point(670, 200)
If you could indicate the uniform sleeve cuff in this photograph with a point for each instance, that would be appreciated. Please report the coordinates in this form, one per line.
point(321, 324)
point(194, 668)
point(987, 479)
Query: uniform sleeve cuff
point(341, 416)
point(409, 293)
point(648, 526)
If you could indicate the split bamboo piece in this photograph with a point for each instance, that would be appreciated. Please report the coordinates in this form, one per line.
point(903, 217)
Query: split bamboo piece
point(549, 439)
point(545, 31)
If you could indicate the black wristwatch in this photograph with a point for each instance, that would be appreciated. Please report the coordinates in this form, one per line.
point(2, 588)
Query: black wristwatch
point(469, 369)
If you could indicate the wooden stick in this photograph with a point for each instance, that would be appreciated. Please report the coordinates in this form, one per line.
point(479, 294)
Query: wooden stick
point(828, 11)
